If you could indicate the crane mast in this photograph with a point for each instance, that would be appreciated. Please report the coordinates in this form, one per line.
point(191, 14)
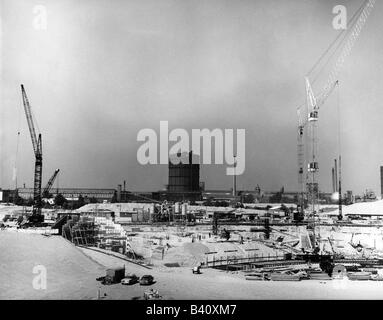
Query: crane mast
point(36, 217)
point(309, 117)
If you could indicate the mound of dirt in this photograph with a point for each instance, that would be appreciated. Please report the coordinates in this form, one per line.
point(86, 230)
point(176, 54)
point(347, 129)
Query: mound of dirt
point(69, 273)
point(187, 255)
point(195, 249)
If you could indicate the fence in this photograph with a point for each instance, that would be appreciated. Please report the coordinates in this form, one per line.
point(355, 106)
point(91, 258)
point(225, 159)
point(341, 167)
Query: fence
point(244, 263)
point(227, 261)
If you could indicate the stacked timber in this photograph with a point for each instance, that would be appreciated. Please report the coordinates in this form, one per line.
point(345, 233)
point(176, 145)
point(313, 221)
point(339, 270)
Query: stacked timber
point(275, 276)
point(359, 275)
point(319, 276)
point(371, 270)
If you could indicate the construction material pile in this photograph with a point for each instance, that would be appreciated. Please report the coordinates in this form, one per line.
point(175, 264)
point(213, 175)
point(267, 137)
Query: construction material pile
point(187, 255)
point(96, 231)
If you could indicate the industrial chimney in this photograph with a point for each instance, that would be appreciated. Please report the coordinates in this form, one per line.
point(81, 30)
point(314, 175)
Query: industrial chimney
point(336, 176)
point(119, 193)
point(235, 178)
point(381, 181)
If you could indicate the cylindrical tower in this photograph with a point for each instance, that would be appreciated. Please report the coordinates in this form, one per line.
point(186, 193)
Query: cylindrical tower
point(183, 176)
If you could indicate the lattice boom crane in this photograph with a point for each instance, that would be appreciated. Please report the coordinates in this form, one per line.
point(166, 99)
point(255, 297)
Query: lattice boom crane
point(50, 183)
point(36, 217)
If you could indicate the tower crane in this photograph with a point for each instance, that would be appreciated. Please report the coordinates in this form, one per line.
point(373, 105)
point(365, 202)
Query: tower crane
point(50, 183)
point(311, 117)
point(36, 217)
point(308, 117)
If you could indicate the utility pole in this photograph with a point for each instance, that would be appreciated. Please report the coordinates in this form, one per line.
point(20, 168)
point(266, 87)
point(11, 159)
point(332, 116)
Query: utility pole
point(340, 216)
point(336, 175)
point(235, 178)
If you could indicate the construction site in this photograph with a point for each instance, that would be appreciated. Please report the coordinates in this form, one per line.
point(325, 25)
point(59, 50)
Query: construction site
point(189, 242)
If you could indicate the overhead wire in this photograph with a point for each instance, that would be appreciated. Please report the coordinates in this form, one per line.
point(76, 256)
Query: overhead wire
point(350, 23)
point(15, 168)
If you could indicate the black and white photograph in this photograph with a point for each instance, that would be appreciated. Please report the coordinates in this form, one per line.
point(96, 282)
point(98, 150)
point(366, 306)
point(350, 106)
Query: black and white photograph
point(214, 150)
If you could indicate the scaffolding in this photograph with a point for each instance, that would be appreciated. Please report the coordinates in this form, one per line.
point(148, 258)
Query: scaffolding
point(95, 231)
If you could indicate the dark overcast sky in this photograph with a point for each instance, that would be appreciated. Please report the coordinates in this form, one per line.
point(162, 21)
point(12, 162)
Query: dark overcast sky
point(103, 70)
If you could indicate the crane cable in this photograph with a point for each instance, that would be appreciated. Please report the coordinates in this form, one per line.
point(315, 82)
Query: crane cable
point(16, 158)
point(17, 147)
point(339, 123)
point(351, 24)
point(340, 155)
point(343, 33)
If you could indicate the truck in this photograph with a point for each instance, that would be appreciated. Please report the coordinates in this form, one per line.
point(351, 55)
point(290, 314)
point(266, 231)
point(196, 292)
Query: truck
point(114, 275)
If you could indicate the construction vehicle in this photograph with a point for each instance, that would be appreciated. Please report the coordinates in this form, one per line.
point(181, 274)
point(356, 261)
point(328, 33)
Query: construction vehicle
point(152, 294)
point(197, 269)
point(36, 218)
point(50, 183)
point(130, 279)
point(113, 276)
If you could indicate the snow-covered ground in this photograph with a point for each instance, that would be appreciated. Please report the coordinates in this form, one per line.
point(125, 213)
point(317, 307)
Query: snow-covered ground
point(71, 274)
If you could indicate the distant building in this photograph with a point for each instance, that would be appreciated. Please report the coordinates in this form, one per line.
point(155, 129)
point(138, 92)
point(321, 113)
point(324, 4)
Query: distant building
point(8, 196)
point(73, 193)
point(183, 176)
point(260, 197)
point(177, 196)
point(136, 196)
point(349, 199)
point(218, 195)
point(183, 180)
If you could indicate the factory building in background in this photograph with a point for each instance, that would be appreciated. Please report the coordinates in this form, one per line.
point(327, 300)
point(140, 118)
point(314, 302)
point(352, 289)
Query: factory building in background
point(73, 193)
point(184, 178)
